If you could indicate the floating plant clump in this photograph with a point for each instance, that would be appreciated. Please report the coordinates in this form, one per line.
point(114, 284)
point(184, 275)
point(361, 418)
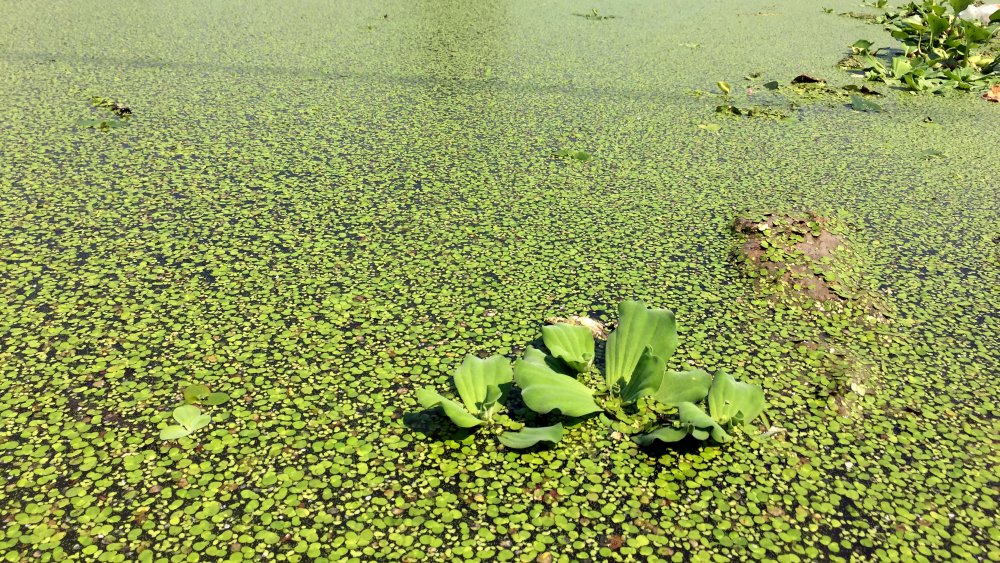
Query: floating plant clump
point(636, 356)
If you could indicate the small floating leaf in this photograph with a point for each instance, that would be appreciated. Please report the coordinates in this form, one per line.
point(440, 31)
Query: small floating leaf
point(530, 436)
point(860, 104)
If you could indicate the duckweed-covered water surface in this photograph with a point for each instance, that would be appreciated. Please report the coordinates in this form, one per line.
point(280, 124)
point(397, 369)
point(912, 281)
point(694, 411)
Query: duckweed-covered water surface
point(312, 210)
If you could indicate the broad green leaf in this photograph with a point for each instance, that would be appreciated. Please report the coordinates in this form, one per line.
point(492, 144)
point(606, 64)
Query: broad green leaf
point(733, 402)
point(190, 417)
point(646, 379)
point(638, 328)
point(959, 5)
point(430, 399)
point(901, 67)
point(724, 86)
point(701, 425)
point(684, 386)
point(573, 344)
point(666, 434)
point(544, 390)
point(530, 436)
point(215, 399)
point(936, 25)
point(195, 393)
point(173, 432)
point(860, 104)
point(474, 377)
point(494, 394)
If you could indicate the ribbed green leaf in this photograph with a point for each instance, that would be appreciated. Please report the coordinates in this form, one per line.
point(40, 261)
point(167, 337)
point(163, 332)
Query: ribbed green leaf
point(573, 344)
point(430, 399)
point(733, 402)
point(666, 434)
point(475, 376)
point(191, 418)
point(638, 328)
point(646, 379)
point(173, 432)
point(699, 423)
point(683, 386)
point(544, 390)
point(530, 436)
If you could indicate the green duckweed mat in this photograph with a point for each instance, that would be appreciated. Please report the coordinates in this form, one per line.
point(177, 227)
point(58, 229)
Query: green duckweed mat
point(319, 207)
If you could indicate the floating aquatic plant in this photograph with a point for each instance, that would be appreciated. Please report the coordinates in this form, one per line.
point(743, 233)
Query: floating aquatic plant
point(635, 368)
point(481, 384)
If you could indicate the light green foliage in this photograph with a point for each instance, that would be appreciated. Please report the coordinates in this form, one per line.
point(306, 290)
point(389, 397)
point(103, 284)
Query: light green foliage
point(189, 418)
point(734, 403)
point(941, 50)
point(481, 384)
point(646, 379)
point(638, 328)
point(688, 386)
point(731, 404)
point(573, 344)
point(544, 389)
point(636, 354)
point(529, 437)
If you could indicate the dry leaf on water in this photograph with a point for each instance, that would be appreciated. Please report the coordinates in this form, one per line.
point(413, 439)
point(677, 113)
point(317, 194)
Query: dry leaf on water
point(993, 94)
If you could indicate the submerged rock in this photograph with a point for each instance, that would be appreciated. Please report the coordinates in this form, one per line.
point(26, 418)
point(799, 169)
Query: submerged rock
point(798, 253)
point(806, 264)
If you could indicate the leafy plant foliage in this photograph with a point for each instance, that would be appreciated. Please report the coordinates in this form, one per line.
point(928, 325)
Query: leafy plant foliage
point(941, 49)
point(635, 373)
point(635, 388)
point(190, 418)
point(481, 384)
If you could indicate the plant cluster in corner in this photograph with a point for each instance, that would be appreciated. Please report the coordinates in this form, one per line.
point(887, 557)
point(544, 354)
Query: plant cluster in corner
point(941, 50)
point(635, 388)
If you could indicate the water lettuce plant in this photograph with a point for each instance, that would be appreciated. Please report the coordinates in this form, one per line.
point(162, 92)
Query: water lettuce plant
point(189, 418)
point(482, 385)
point(635, 368)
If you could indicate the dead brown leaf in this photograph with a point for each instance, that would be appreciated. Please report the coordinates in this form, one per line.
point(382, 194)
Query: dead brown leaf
point(993, 94)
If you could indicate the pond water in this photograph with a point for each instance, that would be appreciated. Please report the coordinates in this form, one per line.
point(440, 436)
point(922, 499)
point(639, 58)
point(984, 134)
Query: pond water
point(320, 207)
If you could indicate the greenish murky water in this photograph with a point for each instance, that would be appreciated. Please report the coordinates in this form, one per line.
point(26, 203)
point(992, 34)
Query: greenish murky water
point(320, 207)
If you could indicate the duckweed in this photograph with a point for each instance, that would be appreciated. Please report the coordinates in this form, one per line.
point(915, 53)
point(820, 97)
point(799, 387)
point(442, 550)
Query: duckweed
point(318, 209)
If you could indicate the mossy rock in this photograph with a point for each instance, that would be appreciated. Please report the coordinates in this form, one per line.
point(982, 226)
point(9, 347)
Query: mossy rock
point(806, 263)
point(800, 254)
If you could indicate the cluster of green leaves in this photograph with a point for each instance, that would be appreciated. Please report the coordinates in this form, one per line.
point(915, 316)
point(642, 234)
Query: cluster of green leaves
point(482, 386)
point(636, 388)
point(582, 156)
point(941, 50)
point(113, 114)
point(190, 418)
point(729, 106)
